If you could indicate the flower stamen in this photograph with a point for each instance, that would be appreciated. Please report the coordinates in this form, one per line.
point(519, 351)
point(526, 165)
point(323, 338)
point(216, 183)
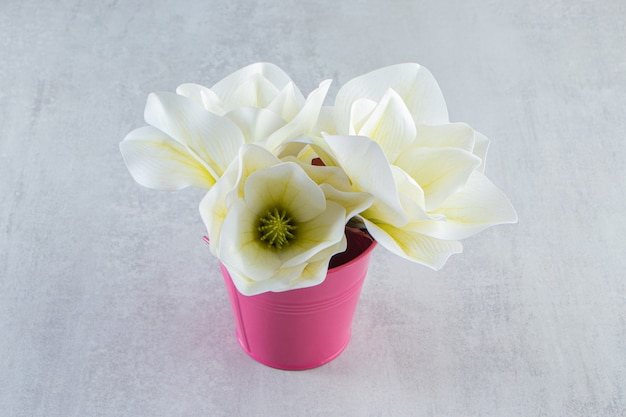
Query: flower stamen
point(276, 228)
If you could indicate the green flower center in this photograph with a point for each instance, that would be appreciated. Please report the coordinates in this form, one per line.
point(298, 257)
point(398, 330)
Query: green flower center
point(276, 228)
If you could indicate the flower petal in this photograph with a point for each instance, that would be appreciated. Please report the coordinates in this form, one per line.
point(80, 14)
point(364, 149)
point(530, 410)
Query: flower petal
point(255, 124)
point(325, 122)
point(271, 72)
point(316, 268)
point(213, 207)
point(251, 158)
point(288, 103)
point(359, 113)
point(411, 195)
point(214, 139)
point(256, 91)
point(336, 187)
point(390, 124)
point(280, 281)
point(287, 187)
point(414, 83)
point(353, 202)
point(439, 171)
point(157, 161)
point(481, 146)
point(479, 205)
point(201, 95)
point(255, 267)
point(366, 166)
point(412, 245)
point(450, 135)
point(331, 175)
point(304, 121)
point(315, 235)
point(240, 247)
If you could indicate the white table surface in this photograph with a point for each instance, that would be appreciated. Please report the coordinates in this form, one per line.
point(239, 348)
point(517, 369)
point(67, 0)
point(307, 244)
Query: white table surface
point(110, 304)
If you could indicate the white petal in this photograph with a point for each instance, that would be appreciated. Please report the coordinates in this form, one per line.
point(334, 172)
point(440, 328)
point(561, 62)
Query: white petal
point(157, 161)
point(192, 91)
point(255, 267)
point(255, 124)
point(306, 274)
point(215, 140)
point(359, 113)
point(325, 122)
point(365, 164)
point(316, 268)
point(439, 171)
point(240, 247)
point(319, 149)
point(335, 249)
point(271, 72)
point(304, 121)
point(213, 207)
point(479, 205)
point(450, 135)
point(414, 83)
point(411, 195)
point(281, 281)
point(296, 149)
point(336, 186)
point(414, 246)
point(315, 235)
point(203, 96)
point(481, 146)
point(256, 91)
point(251, 158)
point(353, 202)
point(331, 175)
point(288, 103)
point(391, 125)
point(285, 186)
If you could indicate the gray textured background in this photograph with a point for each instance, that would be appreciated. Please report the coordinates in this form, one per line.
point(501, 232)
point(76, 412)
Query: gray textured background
point(110, 304)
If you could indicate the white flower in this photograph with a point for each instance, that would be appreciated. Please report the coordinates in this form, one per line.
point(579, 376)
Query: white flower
point(263, 101)
point(195, 134)
point(393, 140)
point(393, 162)
point(185, 145)
point(273, 226)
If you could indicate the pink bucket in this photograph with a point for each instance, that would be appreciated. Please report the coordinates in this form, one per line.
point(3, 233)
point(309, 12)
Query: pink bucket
point(308, 327)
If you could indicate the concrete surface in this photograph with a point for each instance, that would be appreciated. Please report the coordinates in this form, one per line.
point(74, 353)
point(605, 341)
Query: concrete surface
point(110, 304)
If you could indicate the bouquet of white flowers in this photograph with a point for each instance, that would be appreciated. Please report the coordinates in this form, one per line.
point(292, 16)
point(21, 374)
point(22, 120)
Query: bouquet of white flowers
point(286, 175)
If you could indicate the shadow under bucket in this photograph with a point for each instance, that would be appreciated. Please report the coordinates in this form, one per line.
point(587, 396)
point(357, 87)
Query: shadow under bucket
point(308, 327)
